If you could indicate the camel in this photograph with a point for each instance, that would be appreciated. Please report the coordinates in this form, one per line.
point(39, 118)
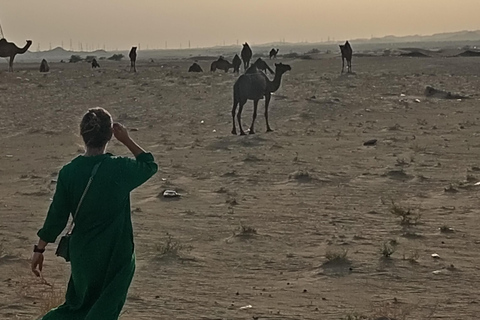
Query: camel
point(347, 52)
point(44, 66)
point(10, 50)
point(95, 64)
point(254, 86)
point(246, 55)
point(273, 53)
point(237, 62)
point(221, 64)
point(133, 58)
point(195, 67)
point(261, 65)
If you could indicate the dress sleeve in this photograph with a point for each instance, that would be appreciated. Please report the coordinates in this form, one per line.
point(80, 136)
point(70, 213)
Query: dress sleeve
point(58, 213)
point(137, 171)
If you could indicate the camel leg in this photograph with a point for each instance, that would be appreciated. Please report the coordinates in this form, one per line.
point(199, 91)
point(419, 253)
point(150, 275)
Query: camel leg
point(234, 109)
point(239, 117)
point(267, 102)
point(10, 64)
point(134, 66)
point(343, 64)
point(255, 107)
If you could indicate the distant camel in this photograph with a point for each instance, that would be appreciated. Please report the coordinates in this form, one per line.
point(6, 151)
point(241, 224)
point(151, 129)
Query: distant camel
point(221, 64)
point(195, 67)
point(10, 50)
point(254, 86)
point(246, 55)
point(133, 58)
point(237, 62)
point(273, 53)
point(95, 64)
point(261, 65)
point(347, 53)
point(44, 66)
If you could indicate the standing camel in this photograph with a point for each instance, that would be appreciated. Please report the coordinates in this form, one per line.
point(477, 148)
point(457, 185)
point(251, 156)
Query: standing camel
point(10, 50)
point(246, 55)
point(237, 62)
point(347, 53)
point(273, 53)
point(255, 85)
point(133, 58)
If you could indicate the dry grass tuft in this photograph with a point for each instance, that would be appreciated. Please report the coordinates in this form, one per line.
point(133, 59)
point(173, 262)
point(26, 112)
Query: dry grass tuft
point(51, 298)
point(172, 247)
point(337, 257)
point(388, 248)
point(407, 217)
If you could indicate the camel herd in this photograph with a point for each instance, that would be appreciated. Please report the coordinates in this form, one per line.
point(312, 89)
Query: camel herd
point(253, 84)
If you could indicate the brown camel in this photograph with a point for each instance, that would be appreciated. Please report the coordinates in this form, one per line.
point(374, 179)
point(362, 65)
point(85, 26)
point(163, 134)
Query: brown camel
point(221, 64)
point(254, 86)
point(347, 53)
point(195, 67)
point(273, 53)
point(133, 58)
point(95, 64)
point(10, 50)
point(44, 66)
point(260, 65)
point(237, 62)
point(246, 55)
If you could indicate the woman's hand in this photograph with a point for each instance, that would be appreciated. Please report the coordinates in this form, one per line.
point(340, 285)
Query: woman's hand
point(121, 133)
point(37, 263)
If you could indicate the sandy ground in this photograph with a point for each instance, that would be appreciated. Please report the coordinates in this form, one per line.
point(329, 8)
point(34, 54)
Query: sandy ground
point(308, 189)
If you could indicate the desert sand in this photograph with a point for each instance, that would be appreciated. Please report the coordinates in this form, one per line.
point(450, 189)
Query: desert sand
point(260, 214)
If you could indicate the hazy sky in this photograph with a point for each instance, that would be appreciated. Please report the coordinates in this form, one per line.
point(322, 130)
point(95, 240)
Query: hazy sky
point(121, 23)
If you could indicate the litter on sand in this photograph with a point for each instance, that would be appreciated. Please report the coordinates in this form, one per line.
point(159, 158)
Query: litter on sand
point(170, 194)
point(246, 307)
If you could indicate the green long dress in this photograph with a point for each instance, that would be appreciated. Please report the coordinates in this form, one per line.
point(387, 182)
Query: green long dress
point(101, 246)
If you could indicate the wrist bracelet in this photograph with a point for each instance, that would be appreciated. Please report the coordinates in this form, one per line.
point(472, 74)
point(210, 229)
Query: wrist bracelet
point(37, 249)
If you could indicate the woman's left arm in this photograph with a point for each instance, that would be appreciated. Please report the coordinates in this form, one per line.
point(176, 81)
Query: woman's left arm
point(57, 218)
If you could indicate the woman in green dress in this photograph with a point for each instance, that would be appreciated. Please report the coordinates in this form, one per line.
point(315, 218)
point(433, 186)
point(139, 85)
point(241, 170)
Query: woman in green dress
point(101, 245)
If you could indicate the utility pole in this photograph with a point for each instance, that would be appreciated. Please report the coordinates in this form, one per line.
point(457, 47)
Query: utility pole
point(188, 44)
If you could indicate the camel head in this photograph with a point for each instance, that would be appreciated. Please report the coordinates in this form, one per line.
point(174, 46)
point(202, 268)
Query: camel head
point(245, 44)
point(281, 68)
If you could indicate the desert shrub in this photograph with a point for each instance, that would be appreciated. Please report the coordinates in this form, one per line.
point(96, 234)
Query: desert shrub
point(336, 256)
point(75, 58)
point(90, 58)
point(407, 217)
point(313, 51)
point(172, 247)
point(291, 55)
point(116, 57)
point(388, 248)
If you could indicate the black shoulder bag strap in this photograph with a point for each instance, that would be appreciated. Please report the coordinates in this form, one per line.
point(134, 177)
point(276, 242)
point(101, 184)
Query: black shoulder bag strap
point(94, 171)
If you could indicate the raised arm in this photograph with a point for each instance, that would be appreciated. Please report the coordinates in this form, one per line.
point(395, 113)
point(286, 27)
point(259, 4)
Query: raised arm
point(134, 171)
